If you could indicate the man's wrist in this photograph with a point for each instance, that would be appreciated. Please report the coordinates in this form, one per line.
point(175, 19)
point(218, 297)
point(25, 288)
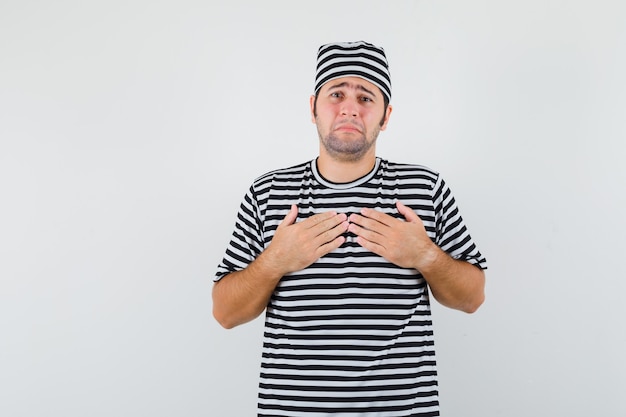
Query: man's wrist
point(432, 260)
point(268, 268)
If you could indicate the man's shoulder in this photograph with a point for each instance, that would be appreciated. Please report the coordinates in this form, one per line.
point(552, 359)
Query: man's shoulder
point(290, 173)
point(409, 170)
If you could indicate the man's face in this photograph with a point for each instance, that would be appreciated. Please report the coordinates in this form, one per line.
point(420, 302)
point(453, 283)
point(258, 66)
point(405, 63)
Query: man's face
point(349, 113)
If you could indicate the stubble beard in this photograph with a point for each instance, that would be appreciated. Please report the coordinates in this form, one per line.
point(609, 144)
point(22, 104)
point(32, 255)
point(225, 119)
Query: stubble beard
point(349, 150)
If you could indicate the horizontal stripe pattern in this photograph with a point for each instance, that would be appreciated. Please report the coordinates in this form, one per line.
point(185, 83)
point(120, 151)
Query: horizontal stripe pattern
point(350, 335)
point(353, 59)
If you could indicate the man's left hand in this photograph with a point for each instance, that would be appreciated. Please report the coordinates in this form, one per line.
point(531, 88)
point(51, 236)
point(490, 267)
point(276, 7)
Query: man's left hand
point(404, 243)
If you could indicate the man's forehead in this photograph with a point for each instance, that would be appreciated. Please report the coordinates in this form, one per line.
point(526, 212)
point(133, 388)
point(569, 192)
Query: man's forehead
point(354, 83)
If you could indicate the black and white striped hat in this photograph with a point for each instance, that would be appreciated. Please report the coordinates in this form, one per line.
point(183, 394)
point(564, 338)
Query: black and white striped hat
point(353, 59)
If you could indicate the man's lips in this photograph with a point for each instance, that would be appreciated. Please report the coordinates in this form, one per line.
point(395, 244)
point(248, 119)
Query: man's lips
point(348, 127)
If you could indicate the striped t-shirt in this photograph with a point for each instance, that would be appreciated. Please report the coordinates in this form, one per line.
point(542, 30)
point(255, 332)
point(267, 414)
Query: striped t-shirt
point(351, 335)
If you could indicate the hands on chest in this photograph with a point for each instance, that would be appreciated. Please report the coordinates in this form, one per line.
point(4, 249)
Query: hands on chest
point(405, 242)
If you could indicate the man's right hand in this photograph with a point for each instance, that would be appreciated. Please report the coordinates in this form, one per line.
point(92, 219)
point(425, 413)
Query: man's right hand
point(243, 295)
point(297, 245)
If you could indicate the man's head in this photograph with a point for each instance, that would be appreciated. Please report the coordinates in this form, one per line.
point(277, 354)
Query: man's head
point(350, 105)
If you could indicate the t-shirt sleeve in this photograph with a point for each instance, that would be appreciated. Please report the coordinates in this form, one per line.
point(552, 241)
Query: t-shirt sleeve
point(451, 233)
point(247, 239)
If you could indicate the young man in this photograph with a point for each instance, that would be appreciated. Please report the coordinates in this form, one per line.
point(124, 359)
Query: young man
point(340, 252)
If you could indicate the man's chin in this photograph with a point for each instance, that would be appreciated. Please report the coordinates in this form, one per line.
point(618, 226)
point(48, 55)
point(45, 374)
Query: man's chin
point(346, 147)
point(345, 154)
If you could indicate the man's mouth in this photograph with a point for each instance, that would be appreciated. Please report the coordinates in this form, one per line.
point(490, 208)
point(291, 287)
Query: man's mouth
point(348, 127)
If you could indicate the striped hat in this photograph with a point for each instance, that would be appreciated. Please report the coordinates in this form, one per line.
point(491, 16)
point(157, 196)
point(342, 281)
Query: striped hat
point(353, 59)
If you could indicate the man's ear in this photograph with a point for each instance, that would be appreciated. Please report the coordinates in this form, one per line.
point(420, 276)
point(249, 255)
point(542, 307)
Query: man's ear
point(312, 105)
point(386, 119)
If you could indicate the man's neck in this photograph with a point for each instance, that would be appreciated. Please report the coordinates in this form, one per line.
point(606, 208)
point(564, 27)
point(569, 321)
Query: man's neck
point(344, 171)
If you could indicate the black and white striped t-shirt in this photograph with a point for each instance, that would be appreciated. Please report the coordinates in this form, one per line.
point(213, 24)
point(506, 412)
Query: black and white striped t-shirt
point(351, 335)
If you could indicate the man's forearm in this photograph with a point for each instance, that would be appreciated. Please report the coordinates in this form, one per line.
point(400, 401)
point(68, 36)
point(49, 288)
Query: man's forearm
point(242, 296)
point(455, 284)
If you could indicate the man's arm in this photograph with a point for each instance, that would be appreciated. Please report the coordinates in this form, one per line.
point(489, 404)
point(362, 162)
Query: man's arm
point(241, 296)
point(455, 284)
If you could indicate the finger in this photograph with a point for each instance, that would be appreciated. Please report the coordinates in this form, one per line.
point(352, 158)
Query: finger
point(318, 219)
point(371, 246)
point(369, 235)
point(329, 223)
point(379, 216)
point(368, 223)
point(290, 217)
point(407, 212)
point(332, 233)
point(330, 246)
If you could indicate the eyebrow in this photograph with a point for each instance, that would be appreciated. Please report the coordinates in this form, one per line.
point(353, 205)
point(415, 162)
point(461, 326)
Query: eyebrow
point(351, 85)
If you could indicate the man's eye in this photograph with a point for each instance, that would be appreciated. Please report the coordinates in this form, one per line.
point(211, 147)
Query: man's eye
point(367, 99)
point(336, 95)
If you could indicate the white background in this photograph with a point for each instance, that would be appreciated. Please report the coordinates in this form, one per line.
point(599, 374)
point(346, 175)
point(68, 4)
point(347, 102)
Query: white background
point(130, 130)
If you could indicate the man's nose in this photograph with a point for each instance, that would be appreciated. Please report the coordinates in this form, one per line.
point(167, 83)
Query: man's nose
point(349, 108)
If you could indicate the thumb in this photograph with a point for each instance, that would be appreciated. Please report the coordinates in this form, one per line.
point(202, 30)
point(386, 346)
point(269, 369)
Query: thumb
point(290, 217)
point(407, 212)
